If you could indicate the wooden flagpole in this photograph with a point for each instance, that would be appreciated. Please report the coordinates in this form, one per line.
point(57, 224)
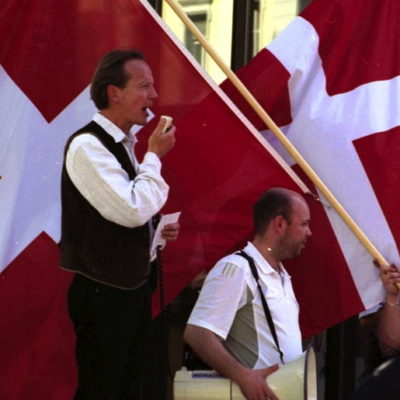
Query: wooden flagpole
point(369, 246)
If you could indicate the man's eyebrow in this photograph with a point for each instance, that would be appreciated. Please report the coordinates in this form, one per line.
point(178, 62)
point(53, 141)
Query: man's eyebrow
point(146, 81)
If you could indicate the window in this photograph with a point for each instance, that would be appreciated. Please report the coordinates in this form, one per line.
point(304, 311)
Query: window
point(214, 19)
point(190, 42)
point(257, 23)
point(271, 17)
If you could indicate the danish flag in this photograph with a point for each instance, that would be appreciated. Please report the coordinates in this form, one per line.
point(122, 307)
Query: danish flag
point(331, 81)
point(216, 171)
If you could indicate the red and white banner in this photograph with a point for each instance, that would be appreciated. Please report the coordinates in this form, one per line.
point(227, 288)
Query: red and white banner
point(331, 81)
point(218, 168)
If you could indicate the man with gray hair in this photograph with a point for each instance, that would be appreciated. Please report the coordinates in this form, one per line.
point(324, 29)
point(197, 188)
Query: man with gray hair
point(246, 318)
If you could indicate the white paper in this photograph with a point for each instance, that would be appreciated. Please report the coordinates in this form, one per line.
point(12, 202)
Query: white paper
point(158, 241)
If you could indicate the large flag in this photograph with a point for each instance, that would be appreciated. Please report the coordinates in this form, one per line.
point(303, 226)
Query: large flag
point(218, 168)
point(331, 81)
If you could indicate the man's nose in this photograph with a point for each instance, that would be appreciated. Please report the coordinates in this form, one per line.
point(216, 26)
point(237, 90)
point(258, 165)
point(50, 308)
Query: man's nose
point(153, 94)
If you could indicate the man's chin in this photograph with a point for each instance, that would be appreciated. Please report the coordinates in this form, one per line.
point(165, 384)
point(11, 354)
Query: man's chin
point(141, 119)
point(140, 122)
point(296, 252)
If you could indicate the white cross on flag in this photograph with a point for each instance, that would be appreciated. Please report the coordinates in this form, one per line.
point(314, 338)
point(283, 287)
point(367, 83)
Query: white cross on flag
point(48, 53)
point(331, 81)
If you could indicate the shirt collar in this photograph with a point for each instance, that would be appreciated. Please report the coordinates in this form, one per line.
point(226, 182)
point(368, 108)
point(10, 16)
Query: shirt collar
point(264, 265)
point(113, 129)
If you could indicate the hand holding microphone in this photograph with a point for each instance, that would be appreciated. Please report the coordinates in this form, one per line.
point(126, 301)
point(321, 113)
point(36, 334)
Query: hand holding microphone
point(162, 140)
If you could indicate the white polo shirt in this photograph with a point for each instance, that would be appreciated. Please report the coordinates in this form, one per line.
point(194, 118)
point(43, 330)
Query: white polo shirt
point(230, 306)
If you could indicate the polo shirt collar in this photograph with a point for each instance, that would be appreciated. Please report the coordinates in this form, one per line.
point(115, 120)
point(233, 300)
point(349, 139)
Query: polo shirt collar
point(258, 258)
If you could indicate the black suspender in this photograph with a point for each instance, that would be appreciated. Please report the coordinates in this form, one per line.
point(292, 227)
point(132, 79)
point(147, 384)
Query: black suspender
point(263, 301)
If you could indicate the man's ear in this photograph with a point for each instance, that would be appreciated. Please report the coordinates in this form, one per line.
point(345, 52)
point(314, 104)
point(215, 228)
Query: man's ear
point(113, 94)
point(279, 224)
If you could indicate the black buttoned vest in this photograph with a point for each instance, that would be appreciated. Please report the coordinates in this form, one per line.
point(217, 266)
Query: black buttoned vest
point(99, 249)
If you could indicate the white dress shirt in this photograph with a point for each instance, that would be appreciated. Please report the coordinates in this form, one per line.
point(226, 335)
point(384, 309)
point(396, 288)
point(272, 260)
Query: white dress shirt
point(100, 179)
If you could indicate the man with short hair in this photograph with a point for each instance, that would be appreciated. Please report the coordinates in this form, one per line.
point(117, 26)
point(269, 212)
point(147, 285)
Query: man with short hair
point(109, 200)
point(228, 327)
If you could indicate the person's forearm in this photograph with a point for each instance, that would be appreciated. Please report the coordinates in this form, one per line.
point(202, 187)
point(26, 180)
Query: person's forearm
point(210, 349)
point(389, 324)
point(207, 345)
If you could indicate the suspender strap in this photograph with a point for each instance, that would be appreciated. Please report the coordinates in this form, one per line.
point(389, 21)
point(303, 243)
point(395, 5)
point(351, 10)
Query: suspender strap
point(263, 301)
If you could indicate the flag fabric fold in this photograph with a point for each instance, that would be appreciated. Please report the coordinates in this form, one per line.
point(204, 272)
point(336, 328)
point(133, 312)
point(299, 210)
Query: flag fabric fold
point(333, 88)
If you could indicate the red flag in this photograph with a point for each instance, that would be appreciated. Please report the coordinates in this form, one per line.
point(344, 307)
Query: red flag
point(332, 86)
point(49, 51)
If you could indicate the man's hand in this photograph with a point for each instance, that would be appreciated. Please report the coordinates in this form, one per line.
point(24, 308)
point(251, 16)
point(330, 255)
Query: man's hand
point(389, 321)
point(161, 143)
point(390, 277)
point(170, 231)
point(209, 347)
point(253, 384)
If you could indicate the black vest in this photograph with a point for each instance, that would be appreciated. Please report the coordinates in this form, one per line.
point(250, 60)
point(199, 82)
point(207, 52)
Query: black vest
point(91, 245)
